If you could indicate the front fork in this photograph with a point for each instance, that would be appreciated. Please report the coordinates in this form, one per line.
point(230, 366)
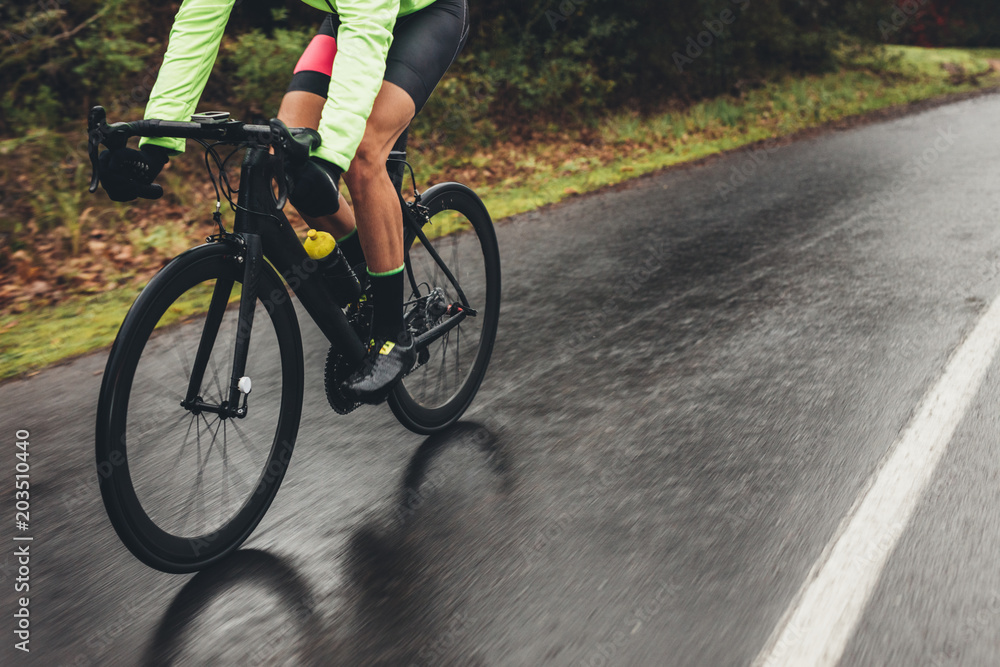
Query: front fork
point(252, 264)
point(252, 258)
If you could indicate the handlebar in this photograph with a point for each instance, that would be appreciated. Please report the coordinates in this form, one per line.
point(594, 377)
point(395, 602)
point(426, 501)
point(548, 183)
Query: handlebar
point(292, 144)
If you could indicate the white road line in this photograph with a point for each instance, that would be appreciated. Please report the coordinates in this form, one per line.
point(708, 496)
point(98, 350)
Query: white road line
point(817, 626)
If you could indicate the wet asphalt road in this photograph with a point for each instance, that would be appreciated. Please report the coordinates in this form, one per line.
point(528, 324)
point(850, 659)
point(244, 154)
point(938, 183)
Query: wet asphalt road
point(694, 379)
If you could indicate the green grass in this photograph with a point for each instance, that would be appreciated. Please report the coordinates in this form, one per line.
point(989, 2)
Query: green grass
point(34, 340)
point(777, 109)
point(545, 174)
point(31, 340)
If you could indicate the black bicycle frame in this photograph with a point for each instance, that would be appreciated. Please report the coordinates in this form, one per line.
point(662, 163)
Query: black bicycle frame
point(263, 232)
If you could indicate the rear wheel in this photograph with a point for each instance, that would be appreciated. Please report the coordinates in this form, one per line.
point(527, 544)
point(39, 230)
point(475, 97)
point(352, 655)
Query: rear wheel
point(184, 485)
point(450, 370)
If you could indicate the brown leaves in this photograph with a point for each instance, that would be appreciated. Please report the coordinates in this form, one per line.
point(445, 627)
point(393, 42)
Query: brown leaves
point(45, 270)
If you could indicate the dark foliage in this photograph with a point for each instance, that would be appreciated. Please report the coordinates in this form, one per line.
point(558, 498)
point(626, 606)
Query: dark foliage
point(537, 61)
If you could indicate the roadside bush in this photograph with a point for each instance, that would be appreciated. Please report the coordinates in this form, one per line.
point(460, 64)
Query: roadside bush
point(260, 67)
point(55, 55)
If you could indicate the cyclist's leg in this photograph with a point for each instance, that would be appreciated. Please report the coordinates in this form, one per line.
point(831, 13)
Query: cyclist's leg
point(424, 45)
point(302, 106)
point(380, 221)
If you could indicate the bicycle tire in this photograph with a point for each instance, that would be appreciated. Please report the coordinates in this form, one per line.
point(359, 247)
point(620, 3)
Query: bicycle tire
point(137, 410)
point(467, 235)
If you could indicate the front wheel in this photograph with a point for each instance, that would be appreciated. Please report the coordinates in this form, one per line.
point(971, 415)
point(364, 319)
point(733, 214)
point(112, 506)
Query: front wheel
point(183, 479)
point(450, 370)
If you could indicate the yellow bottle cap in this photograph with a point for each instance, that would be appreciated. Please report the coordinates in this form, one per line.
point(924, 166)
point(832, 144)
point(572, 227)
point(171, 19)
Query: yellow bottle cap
point(319, 244)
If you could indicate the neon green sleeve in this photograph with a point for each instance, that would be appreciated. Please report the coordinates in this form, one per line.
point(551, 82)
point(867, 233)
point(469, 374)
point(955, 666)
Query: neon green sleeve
point(191, 53)
point(363, 42)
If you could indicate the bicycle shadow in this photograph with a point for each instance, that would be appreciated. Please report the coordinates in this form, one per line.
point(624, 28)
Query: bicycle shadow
point(402, 562)
point(392, 606)
point(383, 534)
point(245, 570)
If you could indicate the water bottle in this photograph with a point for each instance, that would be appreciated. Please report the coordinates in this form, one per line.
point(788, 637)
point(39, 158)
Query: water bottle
point(332, 265)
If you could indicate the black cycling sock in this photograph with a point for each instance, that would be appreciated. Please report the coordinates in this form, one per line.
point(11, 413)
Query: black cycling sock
point(386, 291)
point(351, 247)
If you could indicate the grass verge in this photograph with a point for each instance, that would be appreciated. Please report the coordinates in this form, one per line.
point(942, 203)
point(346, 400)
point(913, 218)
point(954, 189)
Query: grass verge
point(514, 177)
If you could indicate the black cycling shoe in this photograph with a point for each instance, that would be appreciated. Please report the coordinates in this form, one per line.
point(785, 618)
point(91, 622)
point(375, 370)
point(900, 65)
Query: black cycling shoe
point(385, 364)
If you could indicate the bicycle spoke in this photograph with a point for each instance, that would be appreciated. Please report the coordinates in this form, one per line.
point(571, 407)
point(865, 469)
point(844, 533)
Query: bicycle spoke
point(177, 463)
point(180, 367)
point(235, 471)
point(215, 378)
point(442, 374)
point(139, 439)
point(211, 446)
point(187, 434)
point(199, 479)
point(245, 441)
point(225, 467)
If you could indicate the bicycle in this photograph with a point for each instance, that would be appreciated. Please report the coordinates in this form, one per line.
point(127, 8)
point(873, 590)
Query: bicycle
point(224, 316)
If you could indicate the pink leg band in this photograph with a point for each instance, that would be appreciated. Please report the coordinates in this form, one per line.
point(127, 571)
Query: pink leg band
point(318, 56)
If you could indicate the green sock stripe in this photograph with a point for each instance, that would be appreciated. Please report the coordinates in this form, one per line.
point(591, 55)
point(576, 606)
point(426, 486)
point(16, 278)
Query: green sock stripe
point(386, 273)
point(348, 235)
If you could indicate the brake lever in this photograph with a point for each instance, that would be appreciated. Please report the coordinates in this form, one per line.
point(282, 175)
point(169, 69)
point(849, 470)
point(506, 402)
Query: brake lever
point(99, 132)
point(294, 146)
point(97, 122)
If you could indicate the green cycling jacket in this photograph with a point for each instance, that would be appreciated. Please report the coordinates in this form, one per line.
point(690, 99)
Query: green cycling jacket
point(363, 41)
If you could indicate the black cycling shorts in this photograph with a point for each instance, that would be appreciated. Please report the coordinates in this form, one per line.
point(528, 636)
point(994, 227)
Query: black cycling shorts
point(424, 45)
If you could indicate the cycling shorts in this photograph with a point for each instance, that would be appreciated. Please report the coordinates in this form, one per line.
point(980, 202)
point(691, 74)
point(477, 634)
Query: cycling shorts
point(424, 45)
